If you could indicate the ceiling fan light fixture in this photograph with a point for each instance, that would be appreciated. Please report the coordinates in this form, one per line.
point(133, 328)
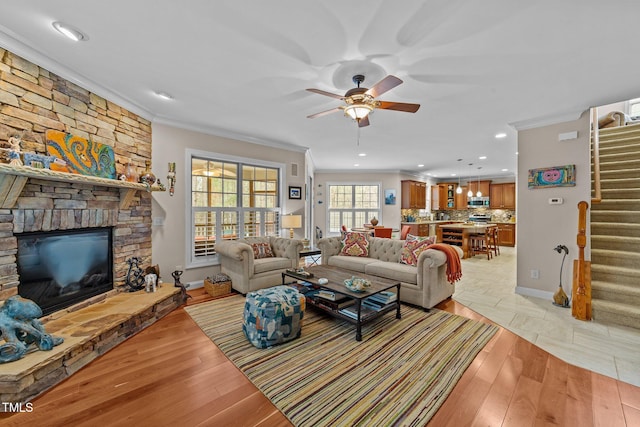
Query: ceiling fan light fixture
point(358, 111)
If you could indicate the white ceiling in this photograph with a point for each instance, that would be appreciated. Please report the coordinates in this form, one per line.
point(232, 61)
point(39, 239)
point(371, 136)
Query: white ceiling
point(240, 69)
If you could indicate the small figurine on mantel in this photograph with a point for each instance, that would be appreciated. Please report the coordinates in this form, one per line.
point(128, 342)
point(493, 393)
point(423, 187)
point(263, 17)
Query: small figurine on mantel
point(14, 151)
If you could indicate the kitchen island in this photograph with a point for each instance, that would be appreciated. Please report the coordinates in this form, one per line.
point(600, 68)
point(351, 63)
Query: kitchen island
point(424, 227)
point(458, 234)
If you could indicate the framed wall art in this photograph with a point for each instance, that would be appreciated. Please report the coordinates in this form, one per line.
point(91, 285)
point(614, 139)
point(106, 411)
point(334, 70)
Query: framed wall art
point(555, 176)
point(295, 192)
point(390, 197)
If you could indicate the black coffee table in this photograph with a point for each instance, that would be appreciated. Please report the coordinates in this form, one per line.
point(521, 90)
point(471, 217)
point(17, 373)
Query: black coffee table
point(336, 277)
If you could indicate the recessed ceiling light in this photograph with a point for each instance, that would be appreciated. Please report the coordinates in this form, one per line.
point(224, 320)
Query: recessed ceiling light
point(163, 95)
point(505, 170)
point(501, 135)
point(420, 166)
point(69, 32)
point(362, 154)
point(356, 165)
point(453, 174)
point(482, 157)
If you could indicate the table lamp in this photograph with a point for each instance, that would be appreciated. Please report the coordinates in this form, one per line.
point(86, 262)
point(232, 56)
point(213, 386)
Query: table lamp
point(291, 222)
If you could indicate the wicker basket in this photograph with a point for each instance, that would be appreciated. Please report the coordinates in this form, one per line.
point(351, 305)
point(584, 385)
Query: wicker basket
point(218, 285)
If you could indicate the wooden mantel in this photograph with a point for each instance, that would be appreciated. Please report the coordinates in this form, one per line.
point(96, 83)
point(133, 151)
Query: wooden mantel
point(14, 178)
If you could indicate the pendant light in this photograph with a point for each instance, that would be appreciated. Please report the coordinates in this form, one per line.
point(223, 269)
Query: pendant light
point(469, 193)
point(459, 189)
point(479, 193)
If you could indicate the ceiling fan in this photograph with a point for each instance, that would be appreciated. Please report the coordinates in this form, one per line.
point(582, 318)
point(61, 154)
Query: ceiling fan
point(360, 101)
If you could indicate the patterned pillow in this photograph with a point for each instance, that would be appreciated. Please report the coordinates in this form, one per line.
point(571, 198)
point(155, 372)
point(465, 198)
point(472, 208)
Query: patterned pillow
point(355, 244)
point(261, 250)
point(413, 247)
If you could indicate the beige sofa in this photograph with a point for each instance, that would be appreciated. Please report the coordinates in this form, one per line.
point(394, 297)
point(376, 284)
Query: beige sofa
point(424, 285)
point(249, 274)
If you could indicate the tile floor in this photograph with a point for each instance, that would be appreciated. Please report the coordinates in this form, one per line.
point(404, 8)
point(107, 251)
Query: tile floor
point(488, 288)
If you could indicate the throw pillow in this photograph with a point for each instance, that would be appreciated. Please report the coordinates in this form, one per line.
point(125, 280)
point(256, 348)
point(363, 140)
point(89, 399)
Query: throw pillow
point(262, 250)
point(412, 247)
point(355, 244)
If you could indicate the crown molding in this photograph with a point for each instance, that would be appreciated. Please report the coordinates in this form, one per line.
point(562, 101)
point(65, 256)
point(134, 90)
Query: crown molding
point(356, 170)
point(225, 133)
point(14, 43)
point(547, 120)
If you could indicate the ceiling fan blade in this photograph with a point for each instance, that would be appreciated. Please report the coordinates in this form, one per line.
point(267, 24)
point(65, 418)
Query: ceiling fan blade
point(324, 113)
point(399, 106)
point(325, 93)
point(384, 85)
point(363, 122)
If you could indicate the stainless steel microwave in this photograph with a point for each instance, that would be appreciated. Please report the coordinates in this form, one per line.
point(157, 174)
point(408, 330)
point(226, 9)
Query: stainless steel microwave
point(478, 202)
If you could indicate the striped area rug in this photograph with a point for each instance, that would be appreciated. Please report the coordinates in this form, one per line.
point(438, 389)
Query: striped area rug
point(399, 374)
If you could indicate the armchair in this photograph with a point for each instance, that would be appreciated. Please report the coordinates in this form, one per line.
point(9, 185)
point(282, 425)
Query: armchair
point(248, 273)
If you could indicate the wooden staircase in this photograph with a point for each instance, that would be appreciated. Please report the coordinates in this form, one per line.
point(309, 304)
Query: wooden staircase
point(615, 229)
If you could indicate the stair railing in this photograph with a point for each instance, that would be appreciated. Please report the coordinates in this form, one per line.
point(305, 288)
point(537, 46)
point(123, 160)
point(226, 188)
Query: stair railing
point(597, 196)
point(581, 291)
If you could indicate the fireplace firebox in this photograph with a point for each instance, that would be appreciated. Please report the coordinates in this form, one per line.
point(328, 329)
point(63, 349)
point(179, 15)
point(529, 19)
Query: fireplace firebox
point(60, 268)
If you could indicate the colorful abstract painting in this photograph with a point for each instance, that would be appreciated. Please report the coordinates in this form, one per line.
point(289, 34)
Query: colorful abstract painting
point(556, 176)
point(84, 157)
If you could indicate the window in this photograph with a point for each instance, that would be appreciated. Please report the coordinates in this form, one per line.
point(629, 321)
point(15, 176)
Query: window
point(231, 198)
point(352, 205)
point(634, 107)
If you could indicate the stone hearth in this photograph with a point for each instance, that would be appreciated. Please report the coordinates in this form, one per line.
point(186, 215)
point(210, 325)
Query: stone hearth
point(88, 333)
point(34, 100)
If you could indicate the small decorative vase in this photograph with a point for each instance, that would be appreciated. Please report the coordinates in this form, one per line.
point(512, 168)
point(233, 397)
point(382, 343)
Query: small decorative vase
point(130, 173)
point(374, 221)
point(148, 177)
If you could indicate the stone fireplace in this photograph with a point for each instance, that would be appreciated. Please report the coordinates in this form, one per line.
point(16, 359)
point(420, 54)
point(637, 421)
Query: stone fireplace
point(32, 101)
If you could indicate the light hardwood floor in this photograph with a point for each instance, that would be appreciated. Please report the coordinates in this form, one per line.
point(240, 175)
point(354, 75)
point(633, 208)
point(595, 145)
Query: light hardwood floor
point(172, 374)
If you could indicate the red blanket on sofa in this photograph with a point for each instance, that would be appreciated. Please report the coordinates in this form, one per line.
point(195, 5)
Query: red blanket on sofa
point(454, 266)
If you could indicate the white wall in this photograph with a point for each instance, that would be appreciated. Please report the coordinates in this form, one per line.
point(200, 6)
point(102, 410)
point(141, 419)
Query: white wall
point(168, 145)
point(391, 215)
point(541, 226)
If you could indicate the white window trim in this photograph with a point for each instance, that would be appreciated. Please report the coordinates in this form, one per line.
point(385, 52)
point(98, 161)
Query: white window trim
point(189, 229)
point(327, 210)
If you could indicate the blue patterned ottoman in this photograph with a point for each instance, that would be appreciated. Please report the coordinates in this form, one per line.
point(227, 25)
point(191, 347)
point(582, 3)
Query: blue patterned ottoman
point(273, 316)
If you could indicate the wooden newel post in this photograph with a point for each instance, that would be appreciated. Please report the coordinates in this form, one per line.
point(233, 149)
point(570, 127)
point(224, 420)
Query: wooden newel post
point(581, 291)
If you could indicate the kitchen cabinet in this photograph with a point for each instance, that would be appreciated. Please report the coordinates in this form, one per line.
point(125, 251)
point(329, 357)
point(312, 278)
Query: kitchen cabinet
point(419, 229)
point(503, 196)
point(461, 199)
point(438, 197)
point(506, 234)
point(443, 196)
point(414, 194)
point(483, 185)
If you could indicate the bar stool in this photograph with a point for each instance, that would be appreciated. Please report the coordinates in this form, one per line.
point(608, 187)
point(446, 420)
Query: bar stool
point(493, 243)
point(480, 243)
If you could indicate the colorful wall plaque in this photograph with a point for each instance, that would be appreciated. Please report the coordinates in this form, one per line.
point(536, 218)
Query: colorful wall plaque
point(556, 176)
point(84, 157)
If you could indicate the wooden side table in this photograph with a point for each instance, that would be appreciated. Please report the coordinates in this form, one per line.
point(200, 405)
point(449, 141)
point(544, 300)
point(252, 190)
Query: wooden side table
point(313, 253)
